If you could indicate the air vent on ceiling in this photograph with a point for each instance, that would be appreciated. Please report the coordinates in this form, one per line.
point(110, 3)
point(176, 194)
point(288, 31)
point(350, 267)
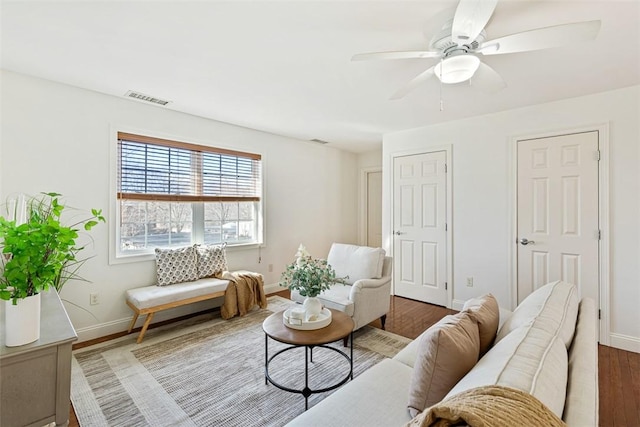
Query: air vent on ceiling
point(319, 141)
point(147, 98)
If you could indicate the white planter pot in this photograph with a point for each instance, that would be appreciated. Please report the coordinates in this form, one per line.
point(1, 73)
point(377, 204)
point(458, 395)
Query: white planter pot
point(312, 308)
point(22, 321)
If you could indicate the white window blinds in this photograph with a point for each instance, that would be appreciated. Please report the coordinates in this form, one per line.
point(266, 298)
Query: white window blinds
point(163, 170)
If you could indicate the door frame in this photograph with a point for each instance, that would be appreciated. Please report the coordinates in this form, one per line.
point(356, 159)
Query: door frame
point(603, 218)
point(448, 149)
point(362, 204)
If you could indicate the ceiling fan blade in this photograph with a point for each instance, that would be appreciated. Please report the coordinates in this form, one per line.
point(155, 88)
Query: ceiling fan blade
point(417, 81)
point(487, 79)
point(438, 22)
point(396, 55)
point(542, 38)
point(470, 19)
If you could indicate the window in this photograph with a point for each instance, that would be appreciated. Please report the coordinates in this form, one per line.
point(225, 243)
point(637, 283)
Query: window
point(175, 194)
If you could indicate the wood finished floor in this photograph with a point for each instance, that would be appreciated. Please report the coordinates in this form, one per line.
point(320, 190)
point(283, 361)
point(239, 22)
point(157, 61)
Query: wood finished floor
point(618, 370)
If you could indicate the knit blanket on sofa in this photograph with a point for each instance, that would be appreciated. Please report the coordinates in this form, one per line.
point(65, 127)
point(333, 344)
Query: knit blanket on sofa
point(245, 291)
point(489, 406)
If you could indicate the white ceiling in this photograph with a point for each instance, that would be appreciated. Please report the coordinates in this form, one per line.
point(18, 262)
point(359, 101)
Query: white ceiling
point(284, 67)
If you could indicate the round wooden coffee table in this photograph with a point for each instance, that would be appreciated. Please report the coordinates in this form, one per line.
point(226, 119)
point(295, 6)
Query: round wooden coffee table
point(341, 327)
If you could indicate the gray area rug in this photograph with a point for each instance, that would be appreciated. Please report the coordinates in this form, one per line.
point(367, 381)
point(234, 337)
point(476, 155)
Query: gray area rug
point(206, 371)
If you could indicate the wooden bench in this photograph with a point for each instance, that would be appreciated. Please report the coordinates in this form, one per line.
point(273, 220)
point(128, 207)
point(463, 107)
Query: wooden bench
point(151, 299)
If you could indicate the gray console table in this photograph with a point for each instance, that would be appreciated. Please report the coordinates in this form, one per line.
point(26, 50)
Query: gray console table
point(35, 379)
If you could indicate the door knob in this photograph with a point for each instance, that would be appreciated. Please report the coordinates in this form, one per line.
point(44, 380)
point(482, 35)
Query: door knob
point(398, 233)
point(525, 242)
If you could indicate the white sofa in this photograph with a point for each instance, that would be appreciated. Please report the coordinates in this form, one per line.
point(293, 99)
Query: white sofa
point(547, 348)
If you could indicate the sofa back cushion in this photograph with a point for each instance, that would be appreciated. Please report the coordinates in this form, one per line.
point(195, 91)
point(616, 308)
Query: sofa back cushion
point(555, 304)
point(531, 359)
point(356, 262)
point(446, 352)
point(486, 312)
point(581, 407)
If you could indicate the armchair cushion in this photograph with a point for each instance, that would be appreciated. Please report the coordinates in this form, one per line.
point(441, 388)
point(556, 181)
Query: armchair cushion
point(356, 262)
point(338, 298)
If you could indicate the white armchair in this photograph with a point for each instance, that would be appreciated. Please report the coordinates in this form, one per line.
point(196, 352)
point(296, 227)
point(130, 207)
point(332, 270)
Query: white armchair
point(366, 297)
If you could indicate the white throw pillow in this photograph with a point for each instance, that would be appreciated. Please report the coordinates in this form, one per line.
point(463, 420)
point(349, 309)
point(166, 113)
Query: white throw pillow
point(357, 262)
point(176, 265)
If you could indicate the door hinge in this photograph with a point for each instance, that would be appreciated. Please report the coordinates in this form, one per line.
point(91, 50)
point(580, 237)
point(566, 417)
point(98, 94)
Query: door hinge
point(599, 314)
point(599, 234)
point(446, 227)
point(445, 168)
point(446, 286)
point(597, 155)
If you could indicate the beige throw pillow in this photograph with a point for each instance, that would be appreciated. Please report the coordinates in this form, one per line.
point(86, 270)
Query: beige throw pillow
point(446, 352)
point(487, 313)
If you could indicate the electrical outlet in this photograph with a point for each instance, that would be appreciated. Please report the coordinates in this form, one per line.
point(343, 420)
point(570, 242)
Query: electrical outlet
point(470, 282)
point(270, 268)
point(93, 299)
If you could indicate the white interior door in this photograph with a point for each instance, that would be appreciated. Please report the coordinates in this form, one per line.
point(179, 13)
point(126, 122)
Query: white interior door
point(419, 227)
point(374, 209)
point(557, 218)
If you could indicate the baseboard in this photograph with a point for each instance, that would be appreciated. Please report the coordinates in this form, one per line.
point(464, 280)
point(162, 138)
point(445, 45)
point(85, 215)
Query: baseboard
point(102, 329)
point(625, 342)
point(272, 288)
point(121, 325)
point(457, 304)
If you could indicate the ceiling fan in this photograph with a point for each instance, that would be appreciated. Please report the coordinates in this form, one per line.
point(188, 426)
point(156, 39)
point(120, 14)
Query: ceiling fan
point(463, 39)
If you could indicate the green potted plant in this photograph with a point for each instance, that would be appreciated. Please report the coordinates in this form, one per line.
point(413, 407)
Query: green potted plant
point(38, 251)
point(309, 276)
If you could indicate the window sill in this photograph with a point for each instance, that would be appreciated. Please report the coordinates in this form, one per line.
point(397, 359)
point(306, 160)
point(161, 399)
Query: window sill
point(151, 256)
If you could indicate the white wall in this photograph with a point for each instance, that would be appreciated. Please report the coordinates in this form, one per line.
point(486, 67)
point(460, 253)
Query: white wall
point(370, 159)
point(57, 138)
point(367, 162)
point(482, 194)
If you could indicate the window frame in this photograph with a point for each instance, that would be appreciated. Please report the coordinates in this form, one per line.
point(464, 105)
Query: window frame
point(116, 255)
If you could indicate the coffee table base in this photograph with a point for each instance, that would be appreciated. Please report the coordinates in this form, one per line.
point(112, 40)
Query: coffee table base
point(308, 357)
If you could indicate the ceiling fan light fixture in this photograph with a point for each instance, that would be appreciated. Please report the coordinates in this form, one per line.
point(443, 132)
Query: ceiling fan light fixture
point(457, 69)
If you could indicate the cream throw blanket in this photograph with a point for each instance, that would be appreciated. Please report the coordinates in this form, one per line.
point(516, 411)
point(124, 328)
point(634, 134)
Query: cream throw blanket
point(245, 291)
point(489, 406)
